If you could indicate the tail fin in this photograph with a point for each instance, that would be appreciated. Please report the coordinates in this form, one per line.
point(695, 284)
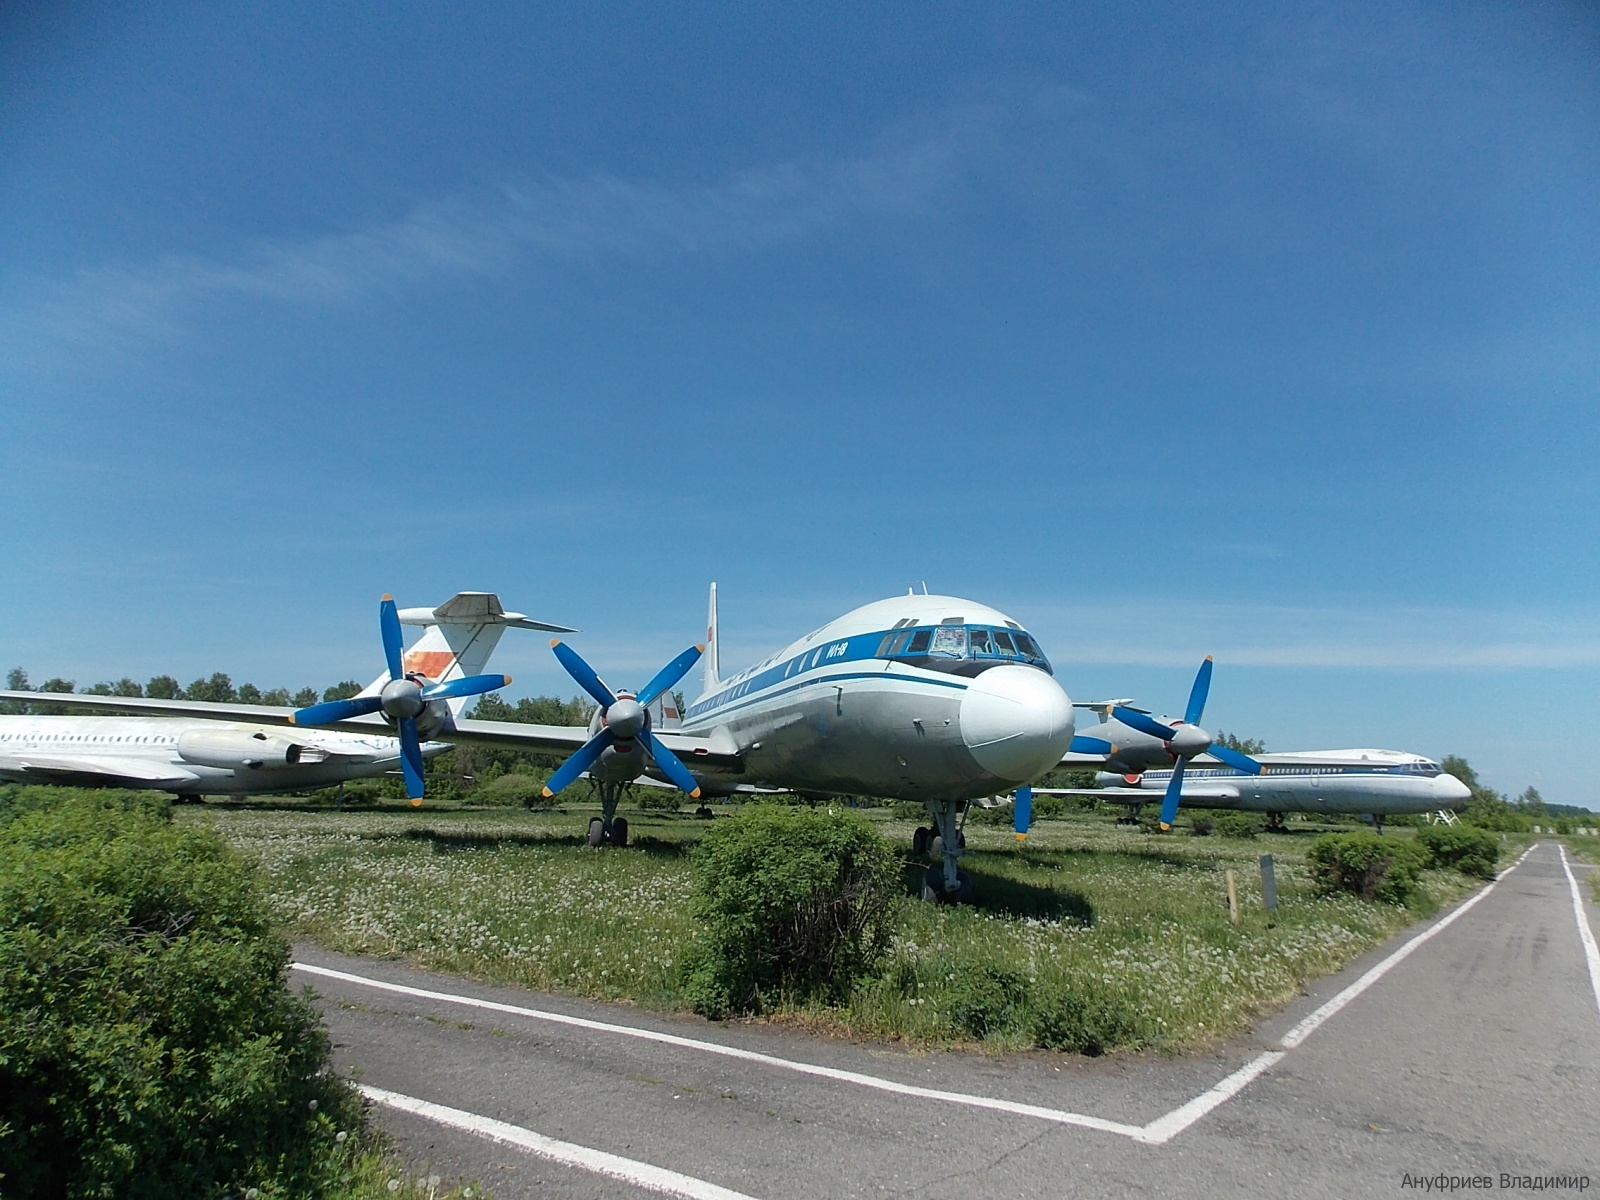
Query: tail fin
point(665, 715)
point(458, 638)
point(713, 675)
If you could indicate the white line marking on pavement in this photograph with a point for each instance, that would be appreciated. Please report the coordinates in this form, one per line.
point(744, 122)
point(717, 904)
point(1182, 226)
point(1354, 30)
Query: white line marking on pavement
point(1590, 950)
point(1157, 1132)
point(598, 1162)
point(1316, 1020)
point(1057, 1115)
point(1164, 1129)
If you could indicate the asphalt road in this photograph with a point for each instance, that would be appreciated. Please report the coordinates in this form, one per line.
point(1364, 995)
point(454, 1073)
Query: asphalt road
point(1477, 1053)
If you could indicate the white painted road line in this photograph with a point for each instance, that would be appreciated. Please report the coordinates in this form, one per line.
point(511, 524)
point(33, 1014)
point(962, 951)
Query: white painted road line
point(1590, 951)
point(1316, 1020)
point(1059, 1116)
point(597, 1162)
point(1164, 1129)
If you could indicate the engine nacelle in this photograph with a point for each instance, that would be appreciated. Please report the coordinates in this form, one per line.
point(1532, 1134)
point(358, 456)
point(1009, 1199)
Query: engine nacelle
point(236, 750)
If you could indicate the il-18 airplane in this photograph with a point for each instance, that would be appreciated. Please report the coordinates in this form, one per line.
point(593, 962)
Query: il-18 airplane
point(251, 754)
point(918, 697)
point(1375, 783)
point(1145, 758)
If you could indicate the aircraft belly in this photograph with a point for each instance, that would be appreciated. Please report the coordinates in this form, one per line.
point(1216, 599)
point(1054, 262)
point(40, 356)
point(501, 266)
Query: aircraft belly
point(867, 739)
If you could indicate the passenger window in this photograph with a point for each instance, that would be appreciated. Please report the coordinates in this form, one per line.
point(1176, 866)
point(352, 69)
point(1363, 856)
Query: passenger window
point(951, 640)
point(919, 642)
point(1002, 639)
point(980, 642)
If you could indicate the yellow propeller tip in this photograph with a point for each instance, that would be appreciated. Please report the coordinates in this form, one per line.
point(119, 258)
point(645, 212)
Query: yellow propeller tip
point(507, 682)
point(417, 803)
point(1165, 828)
point(386, 596)
point(554, 642)
point(695, 795)
point(547, 793)
point(700, 646)
point(1209, 658)
point(291, 718)
point(1022, 837)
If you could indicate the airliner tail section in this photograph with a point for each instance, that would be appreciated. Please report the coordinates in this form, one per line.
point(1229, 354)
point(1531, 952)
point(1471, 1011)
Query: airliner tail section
point(713, 674)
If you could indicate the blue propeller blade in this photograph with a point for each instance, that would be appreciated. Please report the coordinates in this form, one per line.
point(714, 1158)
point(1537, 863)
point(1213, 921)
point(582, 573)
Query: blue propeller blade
point(669, 675)
point(1022, 810)
point(582, 759)
point(470, 685)
point(1169, 804)
point(1134, 719)
point(670, 765)
point(1198, 694)
point(336, 710)
point(393, 638)
point(583, 673)
point(1239, 762)
point(1089, 745)
point(411, 758)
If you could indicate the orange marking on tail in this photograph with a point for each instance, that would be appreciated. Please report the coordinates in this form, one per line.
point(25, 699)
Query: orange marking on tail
point(432, 663)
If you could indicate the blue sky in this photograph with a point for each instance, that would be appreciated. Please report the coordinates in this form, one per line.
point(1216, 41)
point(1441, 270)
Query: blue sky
point(1172, 330)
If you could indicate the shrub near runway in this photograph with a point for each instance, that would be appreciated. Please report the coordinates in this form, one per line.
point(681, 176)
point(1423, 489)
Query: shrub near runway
point(1088, 937)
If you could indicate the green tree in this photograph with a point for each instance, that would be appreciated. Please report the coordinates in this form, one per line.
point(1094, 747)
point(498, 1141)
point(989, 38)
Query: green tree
point(304, 698)
point(277, 698)
point(164, 687)
point(1454, 764)
point(17, 680)
point(342, 691)
point(216, 690)
point(249, 693)
point(1532, 803)
point(1230, 741)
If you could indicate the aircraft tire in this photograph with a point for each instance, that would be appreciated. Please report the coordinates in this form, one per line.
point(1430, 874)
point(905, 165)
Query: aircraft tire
point(597, 832)
point(619, 831)
point(933, 887)
point(919, 841)
point(936, 843)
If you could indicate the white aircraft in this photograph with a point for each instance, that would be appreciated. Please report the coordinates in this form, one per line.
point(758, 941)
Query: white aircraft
point(193, 754)
point(918, 697)
point(1375, 783)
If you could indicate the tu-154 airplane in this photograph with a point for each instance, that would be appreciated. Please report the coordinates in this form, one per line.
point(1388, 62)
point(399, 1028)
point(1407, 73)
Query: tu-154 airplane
point(917, 697)
point(250, 754)
point(1144, 758)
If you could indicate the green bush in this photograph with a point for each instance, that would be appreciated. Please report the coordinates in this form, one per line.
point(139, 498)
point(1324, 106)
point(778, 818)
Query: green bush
point(1201, 826)
point(148, 1046)
point(987, 1000)
point(1240, 825)
point(658, 799)
point(1370, 866)
point(1469, 850)
point(511, 790)
point(1079, 1024)
point(17, 799)
point(794, 903)
point(909, 810)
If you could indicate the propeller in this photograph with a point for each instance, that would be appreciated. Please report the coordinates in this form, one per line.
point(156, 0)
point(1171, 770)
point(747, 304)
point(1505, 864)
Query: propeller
point(623, 719)
point(1022, 812)
point(1185, 740)
point(402, 700)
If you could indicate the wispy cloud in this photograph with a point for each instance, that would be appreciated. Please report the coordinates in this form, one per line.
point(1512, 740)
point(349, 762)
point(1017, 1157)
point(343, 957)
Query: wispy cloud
point(1141, 633)
point(124, 305)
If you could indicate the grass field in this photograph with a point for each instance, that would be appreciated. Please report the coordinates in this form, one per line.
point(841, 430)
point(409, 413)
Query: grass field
point(1085, 918)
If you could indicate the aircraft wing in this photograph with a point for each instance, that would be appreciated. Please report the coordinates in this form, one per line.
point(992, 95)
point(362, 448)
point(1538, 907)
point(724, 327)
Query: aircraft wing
point(62, 768)
point(1069, 759)
point(259, 714)
point(714, 750)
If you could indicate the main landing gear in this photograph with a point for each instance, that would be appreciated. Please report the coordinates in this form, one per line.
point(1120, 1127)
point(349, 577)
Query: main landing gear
point(944, 839)
point(608, 829)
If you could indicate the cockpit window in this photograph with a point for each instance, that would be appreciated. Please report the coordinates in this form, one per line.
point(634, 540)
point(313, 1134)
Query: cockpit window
point(979, 640)
point(1027, 645)
point(964, 650)
point(951, 640)
point(1002, 641)
point(919, 642)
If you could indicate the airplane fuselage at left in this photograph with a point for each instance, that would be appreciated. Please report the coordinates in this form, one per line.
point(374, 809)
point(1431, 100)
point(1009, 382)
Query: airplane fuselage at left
point(188, 756)
point(930, 698)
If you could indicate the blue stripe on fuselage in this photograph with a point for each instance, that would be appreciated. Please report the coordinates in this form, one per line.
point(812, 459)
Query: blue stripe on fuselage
point(832, 653)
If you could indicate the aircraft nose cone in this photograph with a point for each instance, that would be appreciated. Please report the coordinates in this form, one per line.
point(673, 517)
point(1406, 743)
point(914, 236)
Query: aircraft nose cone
point(1450, 791)
point(1016, 721)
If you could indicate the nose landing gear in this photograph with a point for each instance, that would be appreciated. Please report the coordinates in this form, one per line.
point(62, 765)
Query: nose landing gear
point(608, 829)
point(945, 839)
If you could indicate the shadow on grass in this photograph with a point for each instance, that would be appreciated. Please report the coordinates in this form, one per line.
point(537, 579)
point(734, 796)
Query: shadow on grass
point(1010, 897)
point(450, 843)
